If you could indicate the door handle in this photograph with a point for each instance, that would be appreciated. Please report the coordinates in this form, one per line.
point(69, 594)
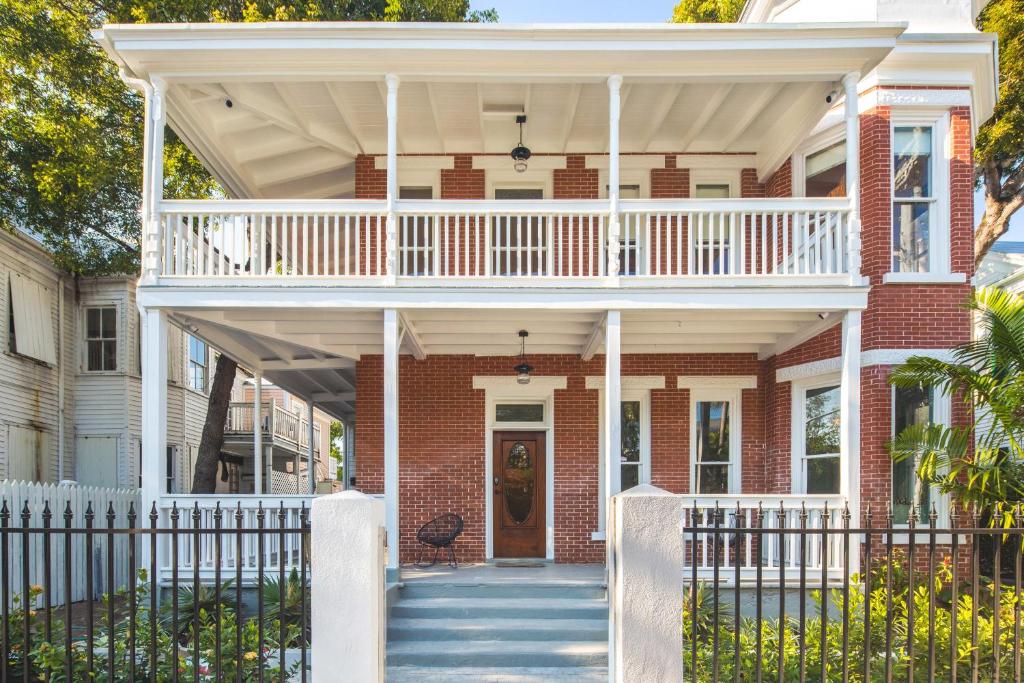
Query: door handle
point(497, 485)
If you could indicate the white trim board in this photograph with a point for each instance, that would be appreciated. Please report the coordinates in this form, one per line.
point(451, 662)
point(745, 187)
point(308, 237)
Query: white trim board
point(716, 382)
point(867, 359)
point(629, 382)
point(506, 388)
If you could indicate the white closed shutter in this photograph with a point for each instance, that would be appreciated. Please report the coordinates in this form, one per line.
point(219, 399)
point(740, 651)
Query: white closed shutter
point(32, 309)
point(96, 461)
point(27, 455)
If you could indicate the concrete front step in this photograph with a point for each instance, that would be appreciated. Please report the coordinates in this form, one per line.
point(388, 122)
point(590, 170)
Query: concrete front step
point(499, 608)
point(490, 654)
point(579, 590)
point(415, 674)
point(498, 629)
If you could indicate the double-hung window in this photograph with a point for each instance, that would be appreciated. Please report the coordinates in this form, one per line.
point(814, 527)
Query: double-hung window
point(714, 442)
point(101, 338)
point(911, 406)
point(416, 236)
point(914, 206)
point(198, 360)
point(822, 430)
point(631, 233)
point(519, 241)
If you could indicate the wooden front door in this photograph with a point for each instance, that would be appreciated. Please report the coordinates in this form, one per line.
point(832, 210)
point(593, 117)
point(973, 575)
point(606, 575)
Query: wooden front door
point(518, 493)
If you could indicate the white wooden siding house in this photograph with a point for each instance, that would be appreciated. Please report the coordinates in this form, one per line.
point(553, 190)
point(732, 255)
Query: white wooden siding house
point(70, 394)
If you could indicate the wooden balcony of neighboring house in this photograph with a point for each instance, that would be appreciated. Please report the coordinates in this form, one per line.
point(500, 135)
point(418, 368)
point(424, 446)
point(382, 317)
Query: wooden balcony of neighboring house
point(285, 433)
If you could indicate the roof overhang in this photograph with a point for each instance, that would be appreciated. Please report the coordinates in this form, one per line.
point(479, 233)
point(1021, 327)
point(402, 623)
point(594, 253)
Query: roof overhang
point(308, 97)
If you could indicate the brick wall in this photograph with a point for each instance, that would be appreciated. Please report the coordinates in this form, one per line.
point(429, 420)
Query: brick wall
point(442, 432)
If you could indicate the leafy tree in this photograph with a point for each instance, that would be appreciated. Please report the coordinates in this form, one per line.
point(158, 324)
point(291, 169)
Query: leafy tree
point(71, 134)
point(707, 11)
point(987, 374)
point(999, 147)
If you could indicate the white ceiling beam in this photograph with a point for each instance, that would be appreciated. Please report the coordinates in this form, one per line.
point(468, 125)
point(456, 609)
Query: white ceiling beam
point(347, 118)
point(241, 96)
point(309, 364)
point(806, 332)
point(707, 112)
point(595, 339)
point(751, 111)
point(790, 131)
point(435, 113)
point(223, 341)
point(333, 396)
point(570, 120)
point(659, 114)
point(314, 129)
point(412, 338)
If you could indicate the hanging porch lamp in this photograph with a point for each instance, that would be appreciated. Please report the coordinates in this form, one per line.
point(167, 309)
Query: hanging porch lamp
point(523, 369)
point(520, 153)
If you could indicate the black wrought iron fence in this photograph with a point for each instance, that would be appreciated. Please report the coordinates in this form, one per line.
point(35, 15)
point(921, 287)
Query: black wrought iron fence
point(920, 602)
point(217, 625)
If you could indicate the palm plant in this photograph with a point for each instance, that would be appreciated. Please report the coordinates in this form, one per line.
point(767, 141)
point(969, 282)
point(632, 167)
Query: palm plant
point(987, 375)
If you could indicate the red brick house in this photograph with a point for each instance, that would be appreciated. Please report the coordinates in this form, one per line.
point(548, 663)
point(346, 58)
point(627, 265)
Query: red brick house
point(720, 240)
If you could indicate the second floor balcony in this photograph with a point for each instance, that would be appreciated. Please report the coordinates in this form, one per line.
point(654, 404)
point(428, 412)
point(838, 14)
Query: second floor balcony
point(517, 243)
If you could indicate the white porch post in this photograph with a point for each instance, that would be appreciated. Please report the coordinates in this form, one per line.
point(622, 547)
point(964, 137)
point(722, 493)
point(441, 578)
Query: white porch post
point(612, 410)
point(310, 459)
point(153, 174)
point(614, 106)
point(849, 418)
point(850, 82)
point(349, 452)
point(391, 434)
point(391, 255)
point(154, 415)
point(257, 431)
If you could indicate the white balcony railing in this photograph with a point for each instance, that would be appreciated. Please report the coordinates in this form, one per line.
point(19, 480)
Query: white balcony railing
point(240, 517)
point(433, 241)
point(277, 422)
point(787, 543)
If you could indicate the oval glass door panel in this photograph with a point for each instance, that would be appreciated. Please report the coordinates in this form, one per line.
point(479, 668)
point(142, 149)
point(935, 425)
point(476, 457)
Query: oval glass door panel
point(519, 483)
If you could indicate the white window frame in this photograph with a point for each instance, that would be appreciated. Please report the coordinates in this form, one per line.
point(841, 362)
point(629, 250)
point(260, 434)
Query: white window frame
point(189, 362)
point(942, 414)
point(730, 179)
point(735, 397)
point(823, 140)
point(798, 435)
point(118, 326)
point(712, 176)
point(644, 397)
point(939, 266)
point(413, 250)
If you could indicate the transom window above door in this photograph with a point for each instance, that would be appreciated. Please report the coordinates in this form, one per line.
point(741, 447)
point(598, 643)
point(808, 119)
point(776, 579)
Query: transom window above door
point(519, 412)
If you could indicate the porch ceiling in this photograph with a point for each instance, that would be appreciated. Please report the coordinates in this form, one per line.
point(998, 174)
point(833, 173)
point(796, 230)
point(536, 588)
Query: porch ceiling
point(306, 99)
point(308, 349)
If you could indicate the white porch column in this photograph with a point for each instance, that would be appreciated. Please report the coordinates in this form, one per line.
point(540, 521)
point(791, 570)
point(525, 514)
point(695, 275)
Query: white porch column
point(850, 82)
point(391, 255)
point(154, 415)
point(348, 455)
point(612, 410)
point(614, 106)
point(310, 458)
point(391, 433)
point(257, 431)
point(153, 174)
point(849, 419)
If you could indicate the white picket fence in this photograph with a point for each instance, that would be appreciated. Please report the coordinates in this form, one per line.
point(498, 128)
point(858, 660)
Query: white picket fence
point(15, 550)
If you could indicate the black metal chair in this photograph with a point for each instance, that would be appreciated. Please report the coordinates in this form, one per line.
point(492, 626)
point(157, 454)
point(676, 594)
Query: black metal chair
point(439, 533)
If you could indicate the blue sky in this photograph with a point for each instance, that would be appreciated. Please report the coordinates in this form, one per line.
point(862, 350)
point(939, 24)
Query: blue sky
point(538, 11)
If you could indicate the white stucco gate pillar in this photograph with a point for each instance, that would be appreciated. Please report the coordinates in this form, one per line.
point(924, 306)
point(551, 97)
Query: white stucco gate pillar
point(347, 560)
point(645, 586)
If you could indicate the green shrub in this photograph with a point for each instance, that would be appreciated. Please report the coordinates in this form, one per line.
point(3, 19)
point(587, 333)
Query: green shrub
point(918, 633)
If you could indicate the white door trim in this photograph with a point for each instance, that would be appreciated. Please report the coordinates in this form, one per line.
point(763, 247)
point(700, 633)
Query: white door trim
point(499, 390)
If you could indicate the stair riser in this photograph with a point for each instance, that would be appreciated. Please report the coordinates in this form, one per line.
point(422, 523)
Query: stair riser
point(497, 659)
point(503, 612)
point(454, 634)
point(416, 591)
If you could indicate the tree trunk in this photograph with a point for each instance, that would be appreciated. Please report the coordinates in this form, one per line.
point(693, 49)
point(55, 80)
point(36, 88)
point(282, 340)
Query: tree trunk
point(1003, 196)
point(205, 478)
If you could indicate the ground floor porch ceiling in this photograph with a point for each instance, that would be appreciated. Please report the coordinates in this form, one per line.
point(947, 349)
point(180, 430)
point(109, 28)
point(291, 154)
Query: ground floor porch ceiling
point(281, 111)
point(307, 348)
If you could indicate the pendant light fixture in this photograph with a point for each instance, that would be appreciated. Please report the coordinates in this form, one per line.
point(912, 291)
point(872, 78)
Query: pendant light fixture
point(520, 153)
point(523, 369)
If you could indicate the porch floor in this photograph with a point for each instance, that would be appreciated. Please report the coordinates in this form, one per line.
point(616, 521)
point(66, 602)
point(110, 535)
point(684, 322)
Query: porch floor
point(491, 573)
